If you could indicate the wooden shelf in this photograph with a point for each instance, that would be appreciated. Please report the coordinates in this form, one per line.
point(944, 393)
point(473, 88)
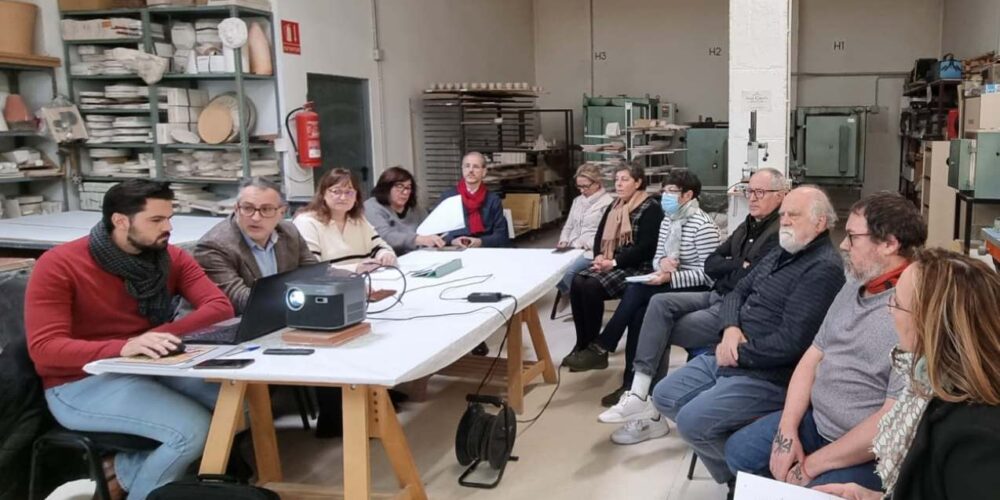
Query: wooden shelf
point(105, 41)
point(10, 60)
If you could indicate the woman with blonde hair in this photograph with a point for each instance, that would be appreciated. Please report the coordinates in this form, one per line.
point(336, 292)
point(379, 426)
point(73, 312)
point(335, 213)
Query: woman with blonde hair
point(941, 439)
point(581, 224)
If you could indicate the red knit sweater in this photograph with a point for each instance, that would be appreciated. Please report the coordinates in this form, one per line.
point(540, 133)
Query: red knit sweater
point(75, 312)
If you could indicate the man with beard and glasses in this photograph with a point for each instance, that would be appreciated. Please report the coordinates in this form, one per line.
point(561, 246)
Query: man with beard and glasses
point(768, 321)
point(114, 293)
point(844, 382)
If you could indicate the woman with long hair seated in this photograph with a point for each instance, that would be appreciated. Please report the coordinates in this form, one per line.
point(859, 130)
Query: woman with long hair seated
point(941, 439)
point(335, 229)
point(624, 246)
point(393, 212)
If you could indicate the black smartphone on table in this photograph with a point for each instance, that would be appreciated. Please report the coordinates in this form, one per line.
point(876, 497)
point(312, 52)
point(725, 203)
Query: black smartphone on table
point(223, 364)
point(562, 250)
point(291, 351)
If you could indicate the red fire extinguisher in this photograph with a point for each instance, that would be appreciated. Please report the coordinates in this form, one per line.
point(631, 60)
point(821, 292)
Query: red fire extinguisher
point(307, 130)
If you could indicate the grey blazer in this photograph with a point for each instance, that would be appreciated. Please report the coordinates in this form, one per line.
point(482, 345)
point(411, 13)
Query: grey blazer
point(228, 261)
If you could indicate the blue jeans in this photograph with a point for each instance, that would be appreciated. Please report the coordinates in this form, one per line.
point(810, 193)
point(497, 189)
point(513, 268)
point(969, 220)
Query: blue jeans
point(578, 265)
point(708, 409)
point(175, 411)
point(749, 450)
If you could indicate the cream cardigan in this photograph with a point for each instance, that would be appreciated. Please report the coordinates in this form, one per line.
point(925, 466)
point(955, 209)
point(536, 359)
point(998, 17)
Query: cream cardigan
point(358, 242)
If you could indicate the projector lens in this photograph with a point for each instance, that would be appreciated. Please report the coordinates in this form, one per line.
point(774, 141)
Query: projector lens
point(295, 299)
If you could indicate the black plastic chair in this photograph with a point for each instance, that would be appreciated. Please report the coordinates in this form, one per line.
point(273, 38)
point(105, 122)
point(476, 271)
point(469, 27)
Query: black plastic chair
point(94, 445)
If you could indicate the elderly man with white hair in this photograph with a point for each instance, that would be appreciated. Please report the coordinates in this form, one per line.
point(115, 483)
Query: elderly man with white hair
point(768, 322)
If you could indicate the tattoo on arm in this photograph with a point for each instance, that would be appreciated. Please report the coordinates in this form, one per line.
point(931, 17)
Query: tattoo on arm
point(797, 472)
point(782, 444)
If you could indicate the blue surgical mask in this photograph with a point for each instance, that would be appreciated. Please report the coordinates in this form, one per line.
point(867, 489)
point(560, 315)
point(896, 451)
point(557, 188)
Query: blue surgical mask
point(670, 203)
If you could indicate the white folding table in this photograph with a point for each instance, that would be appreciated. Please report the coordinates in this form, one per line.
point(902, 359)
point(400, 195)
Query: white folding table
point(42, 232)
point(394, 352)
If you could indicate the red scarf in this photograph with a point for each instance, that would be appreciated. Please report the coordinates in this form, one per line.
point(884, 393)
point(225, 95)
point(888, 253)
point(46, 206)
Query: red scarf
point(886, 281)
point(472, 202)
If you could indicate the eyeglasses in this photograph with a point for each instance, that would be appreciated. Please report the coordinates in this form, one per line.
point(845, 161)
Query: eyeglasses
point(752, 194)
point(850, 237)
point(266, 211)
point(341, 193)
point(403, 187)
point(584, 187)
point(895, 305)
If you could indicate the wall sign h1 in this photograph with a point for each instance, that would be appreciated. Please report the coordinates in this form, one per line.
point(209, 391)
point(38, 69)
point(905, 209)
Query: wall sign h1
point(291, 42)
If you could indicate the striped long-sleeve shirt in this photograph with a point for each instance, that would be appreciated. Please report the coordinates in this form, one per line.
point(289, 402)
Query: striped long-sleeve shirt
point(699, 238)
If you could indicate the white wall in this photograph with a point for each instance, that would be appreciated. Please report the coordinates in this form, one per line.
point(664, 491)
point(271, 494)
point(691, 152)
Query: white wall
point(879, 37)
point(656, 47)
point(445, 41)
point(971, 27)
point(422, 42)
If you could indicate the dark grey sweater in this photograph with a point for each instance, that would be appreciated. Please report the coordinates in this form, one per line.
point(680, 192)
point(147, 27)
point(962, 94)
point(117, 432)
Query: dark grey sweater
point(780, 306)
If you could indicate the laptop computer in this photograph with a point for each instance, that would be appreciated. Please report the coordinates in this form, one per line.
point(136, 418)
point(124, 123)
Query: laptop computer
point(264, 313)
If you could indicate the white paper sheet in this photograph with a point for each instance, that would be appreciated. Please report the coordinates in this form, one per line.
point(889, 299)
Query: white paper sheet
point(751, 487)
point(640, 279)
point(446, 217)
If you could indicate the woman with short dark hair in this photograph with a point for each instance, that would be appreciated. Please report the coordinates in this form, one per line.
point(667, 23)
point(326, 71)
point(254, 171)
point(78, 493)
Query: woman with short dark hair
point(623, 246)
point(394, 213)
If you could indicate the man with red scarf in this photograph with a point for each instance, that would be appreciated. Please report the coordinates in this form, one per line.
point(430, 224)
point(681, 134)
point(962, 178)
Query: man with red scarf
point(485, 225)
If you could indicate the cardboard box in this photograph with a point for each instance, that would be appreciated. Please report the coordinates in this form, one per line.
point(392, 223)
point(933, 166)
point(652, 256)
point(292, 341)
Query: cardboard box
point(525, 208)
point(194, 98)
point(85, 4)
point(982, 113)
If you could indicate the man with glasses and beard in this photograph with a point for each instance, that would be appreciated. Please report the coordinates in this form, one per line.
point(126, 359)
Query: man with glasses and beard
point(114, 293)
point(844, 382)
point(767, 322)
point(252, 243)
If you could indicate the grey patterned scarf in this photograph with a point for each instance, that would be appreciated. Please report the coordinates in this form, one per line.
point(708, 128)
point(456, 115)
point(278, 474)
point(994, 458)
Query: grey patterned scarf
point(145, 274)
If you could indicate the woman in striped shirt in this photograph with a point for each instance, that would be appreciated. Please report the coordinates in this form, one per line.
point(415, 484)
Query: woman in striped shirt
point(687, 237)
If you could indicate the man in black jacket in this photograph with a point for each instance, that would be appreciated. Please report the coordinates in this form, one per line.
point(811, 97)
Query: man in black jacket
point(691, 320)
point(768, 321)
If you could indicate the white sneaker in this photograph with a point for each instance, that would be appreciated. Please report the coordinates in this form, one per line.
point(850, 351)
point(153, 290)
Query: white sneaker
point(629, 407)
point(639, 430)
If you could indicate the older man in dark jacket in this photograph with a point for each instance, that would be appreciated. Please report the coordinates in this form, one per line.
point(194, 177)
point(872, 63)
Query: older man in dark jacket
point(691, 319)
point(769, 320)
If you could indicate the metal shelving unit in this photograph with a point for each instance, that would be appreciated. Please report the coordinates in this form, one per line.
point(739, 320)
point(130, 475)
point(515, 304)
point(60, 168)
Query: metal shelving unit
point(166, 15)
point(926, 123)
point(11, 67)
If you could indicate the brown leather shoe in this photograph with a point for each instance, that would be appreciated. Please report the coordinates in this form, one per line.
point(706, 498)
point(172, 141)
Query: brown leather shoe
point(114, 487)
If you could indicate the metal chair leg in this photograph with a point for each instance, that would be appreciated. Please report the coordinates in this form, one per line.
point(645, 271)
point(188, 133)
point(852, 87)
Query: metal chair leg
point(303, 402)
point(555, 304)
point(694, 461)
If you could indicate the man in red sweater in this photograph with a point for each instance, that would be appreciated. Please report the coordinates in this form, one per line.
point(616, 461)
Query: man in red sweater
point(114, 293)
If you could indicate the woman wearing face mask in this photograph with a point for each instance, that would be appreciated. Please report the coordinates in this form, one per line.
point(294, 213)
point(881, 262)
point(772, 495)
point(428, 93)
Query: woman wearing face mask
point(940, 440)
point(687, 236)
point(581, 224)
point(624, 246)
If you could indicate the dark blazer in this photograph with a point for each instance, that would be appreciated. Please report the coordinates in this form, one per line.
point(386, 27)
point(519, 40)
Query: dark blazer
point(955, 454)
point(228, 261)
point(750, 242)
point(780, 306)
point(496, 234)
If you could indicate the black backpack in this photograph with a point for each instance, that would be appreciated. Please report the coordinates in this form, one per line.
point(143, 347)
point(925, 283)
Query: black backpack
point(211, 487)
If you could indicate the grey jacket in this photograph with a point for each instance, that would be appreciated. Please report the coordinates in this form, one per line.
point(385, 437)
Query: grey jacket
point(399, 233)
point(228, 261)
